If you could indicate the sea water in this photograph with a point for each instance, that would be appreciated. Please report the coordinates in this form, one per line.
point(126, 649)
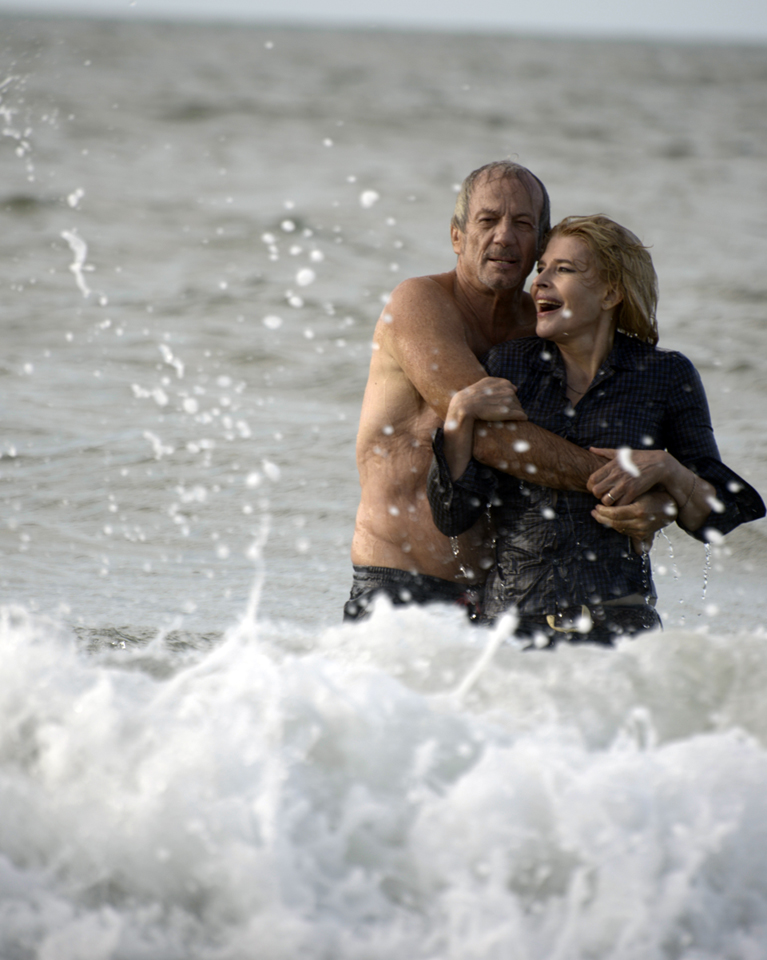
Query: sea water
point(197, 760)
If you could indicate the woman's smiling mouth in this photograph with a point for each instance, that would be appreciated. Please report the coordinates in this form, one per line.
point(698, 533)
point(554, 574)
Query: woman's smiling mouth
point(545, 305)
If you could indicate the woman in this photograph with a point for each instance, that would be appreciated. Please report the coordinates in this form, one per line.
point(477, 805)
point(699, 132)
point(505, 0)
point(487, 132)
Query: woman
point(592, 375)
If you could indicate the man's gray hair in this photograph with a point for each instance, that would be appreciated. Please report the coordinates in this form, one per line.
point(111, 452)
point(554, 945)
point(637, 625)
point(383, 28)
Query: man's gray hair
point(503, 170)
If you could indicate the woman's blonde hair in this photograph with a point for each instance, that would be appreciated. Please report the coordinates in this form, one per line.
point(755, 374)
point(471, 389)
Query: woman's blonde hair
point(624, 264)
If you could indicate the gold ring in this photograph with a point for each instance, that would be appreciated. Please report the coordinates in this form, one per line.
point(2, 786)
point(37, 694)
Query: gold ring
point(611, 497)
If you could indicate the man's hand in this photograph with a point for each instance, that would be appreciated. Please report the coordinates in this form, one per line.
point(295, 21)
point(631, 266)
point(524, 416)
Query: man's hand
point(491, 398)
point(628, 475)
point(640, 520)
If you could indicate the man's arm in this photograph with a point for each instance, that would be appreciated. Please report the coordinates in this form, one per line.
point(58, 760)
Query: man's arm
point(531, 453)
point(424, 332)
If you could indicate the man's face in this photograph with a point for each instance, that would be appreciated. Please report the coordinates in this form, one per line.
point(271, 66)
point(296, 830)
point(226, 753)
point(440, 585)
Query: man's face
point(498, 249)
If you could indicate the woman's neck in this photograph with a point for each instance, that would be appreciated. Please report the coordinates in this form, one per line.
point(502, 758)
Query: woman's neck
point(582, 360)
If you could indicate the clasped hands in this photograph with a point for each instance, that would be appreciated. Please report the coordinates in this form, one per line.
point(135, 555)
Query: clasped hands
point(630, 488)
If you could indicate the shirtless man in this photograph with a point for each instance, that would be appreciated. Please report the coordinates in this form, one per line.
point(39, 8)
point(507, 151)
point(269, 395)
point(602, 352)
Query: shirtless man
point(425, 348)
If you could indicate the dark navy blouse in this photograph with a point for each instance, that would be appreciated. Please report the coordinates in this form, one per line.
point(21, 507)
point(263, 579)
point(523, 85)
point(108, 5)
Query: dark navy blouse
point(550, 553)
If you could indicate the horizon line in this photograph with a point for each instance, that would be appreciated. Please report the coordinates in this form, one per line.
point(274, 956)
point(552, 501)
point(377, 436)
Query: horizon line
point(224, 19)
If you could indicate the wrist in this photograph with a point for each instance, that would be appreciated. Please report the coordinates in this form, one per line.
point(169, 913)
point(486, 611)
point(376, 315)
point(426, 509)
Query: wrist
point(677, 479)
point(457, 417)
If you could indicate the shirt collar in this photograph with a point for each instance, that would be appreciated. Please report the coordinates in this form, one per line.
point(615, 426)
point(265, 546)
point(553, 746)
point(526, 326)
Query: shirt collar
point(621, 357)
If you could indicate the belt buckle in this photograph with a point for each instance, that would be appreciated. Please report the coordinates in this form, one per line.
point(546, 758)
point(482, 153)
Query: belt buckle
point(580, 624)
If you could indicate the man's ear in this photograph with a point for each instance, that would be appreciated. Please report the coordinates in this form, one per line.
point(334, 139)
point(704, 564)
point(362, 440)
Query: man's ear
point(456, 236)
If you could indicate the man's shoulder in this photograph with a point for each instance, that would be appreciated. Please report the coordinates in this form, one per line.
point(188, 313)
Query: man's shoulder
point(436, 287)
point(420, 307)
point(445, 280)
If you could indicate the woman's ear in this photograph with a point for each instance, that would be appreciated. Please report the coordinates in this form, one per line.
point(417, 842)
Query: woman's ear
point(612, 298)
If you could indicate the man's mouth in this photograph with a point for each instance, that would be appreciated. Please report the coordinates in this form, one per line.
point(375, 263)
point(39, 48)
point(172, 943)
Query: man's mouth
point(547, 306)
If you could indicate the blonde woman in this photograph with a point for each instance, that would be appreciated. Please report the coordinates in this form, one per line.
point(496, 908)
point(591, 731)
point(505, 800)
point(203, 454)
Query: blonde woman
point(594, 375)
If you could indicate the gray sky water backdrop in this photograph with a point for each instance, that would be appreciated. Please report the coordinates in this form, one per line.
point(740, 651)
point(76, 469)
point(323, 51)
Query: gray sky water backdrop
point(710, 20)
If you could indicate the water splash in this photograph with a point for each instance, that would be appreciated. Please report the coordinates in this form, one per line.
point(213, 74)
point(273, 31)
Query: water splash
point(455, 546)
point(80, 250)
point(706, 571)
point(502, 630)
point(10, 128)
point(625, 459)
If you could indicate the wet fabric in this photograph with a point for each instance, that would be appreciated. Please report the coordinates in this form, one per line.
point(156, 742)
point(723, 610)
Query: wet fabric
point(551, 555)
point(401, 587)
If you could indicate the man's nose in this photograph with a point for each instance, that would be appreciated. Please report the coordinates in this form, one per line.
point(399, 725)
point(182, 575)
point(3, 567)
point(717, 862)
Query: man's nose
point(505, 232)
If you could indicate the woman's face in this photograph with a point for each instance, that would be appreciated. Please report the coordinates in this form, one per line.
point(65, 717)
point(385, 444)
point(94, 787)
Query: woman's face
point(571, 300)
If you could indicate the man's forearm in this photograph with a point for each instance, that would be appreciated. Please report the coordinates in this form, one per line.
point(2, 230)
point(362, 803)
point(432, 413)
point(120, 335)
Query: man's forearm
point(528, 452)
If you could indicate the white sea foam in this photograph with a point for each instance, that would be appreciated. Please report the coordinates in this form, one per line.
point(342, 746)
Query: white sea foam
point(326, 795)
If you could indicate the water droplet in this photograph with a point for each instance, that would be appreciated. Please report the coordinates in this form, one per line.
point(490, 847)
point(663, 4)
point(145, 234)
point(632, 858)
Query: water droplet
point(626, 461)
point(271, 470)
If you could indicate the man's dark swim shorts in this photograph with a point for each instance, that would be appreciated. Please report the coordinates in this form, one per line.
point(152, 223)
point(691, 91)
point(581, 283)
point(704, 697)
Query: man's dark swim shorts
point(401, 587)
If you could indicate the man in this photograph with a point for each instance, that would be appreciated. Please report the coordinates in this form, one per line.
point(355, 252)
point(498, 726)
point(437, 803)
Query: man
point(425, 348)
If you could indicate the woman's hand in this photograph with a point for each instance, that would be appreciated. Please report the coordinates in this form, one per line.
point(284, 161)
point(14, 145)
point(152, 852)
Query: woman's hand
point(628, 474)
point(491, 398)
point(640, 520)
point(631, 473)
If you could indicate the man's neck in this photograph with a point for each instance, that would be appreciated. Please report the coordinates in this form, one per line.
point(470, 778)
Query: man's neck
point(494, 316)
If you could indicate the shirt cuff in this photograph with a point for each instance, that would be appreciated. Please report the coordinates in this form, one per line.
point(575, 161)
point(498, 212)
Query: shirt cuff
point(736, 501)
point(476, 479)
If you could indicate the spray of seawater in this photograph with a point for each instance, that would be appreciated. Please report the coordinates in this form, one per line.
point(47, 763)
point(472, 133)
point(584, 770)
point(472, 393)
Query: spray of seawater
point(407, 785)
